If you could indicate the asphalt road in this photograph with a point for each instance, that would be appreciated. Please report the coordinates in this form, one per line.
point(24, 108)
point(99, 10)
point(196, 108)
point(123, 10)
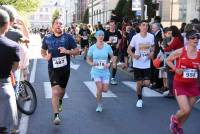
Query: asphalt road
point(120, 115)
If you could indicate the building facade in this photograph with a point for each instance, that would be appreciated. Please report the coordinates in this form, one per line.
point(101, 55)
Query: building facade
point(80, 8)
point(43, 16)
point(100, 10)
point(174, 12)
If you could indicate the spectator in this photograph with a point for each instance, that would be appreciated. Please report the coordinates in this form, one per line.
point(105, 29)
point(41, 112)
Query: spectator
point(9, 60)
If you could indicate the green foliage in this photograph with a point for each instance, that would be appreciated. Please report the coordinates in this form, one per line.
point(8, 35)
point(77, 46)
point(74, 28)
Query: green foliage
point(23, 6)
point(151, 12)
point(86, 16)
point(55, 14)
point(7, 2)
point(127, 10)
point(124, 8)
point(119, 8)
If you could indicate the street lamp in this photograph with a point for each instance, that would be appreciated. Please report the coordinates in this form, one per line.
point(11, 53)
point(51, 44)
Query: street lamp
point(76, 9)
point(92, 13)
point(171, 12)
point(66, 17)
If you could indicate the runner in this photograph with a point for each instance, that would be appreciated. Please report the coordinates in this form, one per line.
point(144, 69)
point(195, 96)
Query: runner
point(113, 38)
point(185, 84)
point(97, 57)
point(143, 43)
point(9, 60)
point(56, 49)
point(84, 35)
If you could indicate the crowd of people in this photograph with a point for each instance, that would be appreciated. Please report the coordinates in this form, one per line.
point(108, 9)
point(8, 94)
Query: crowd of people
point(166, 59)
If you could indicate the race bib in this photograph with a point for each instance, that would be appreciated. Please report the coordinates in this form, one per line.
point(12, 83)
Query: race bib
point(85, 37)
point(59, 62)
point(190, 73)
point(114, 39)
point(100, 64)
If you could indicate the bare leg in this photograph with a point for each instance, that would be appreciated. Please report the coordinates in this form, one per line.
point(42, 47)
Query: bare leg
point(139, 87)
point(99, 92)
point(104, 87)
point(185, 105)
point(55, 97)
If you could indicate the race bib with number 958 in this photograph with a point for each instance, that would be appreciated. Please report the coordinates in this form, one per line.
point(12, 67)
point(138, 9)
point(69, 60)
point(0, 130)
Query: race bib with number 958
point(190, 73)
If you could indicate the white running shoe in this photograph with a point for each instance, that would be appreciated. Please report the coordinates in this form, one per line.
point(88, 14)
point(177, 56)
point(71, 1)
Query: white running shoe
point(113, 81)
point(139, 103)
point(99, 108)
point(57, 120)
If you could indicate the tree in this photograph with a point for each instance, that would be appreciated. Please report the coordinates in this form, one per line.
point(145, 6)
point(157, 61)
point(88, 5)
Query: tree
point(119, 8)
point(127, 10)
point(86, 16)
point(22, 6)
point(151, 11)
point(55, 14)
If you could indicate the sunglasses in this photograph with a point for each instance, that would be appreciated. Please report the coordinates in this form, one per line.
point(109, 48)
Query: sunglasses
point(194, 37)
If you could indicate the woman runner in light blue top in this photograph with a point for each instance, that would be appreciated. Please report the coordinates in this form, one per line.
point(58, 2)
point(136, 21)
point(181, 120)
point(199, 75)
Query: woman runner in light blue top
point(98, 58)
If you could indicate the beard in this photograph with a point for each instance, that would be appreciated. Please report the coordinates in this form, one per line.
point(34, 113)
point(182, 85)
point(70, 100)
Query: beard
point(58, 31)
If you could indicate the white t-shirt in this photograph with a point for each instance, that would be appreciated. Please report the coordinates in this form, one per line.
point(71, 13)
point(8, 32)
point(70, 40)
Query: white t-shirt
point(142, 47)
point(198, 46)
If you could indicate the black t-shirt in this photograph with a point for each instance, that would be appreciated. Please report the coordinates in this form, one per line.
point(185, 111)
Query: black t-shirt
point(113, 36)
point(14, 34)
point(9, 53)
point(85, 33)
point(52, 43)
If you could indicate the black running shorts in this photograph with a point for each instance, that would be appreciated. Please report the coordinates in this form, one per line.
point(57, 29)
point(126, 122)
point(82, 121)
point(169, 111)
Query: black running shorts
point(142, 74)
point(59, 77)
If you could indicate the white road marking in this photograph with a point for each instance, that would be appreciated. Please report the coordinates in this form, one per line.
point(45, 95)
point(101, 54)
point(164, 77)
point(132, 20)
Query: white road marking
point(92, 87)
point(147, 92)
point(23, 126)
point(74, 66)
point(48, 91)
point(32, 76)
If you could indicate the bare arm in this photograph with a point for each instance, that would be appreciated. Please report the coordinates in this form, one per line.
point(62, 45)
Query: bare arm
point(152, 52)
point(129, 51)
point(70, 52)
point(89, 61)
point(47, 56)
point(119, 41)
point(173, 56)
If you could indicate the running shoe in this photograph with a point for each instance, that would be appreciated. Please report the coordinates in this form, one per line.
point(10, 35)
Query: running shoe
point(120, 64)
point(139, 103)
point(15, 131)
point(113, 81)
point(174, 125)
point(60, 105)
point(99, 108)
point(56, 120)
point(180, 130)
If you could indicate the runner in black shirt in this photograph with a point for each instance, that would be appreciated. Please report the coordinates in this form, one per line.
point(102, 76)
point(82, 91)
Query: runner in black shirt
point(113, 38)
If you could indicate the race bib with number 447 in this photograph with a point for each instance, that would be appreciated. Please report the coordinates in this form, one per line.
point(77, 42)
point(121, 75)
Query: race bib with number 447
point(59, 62)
